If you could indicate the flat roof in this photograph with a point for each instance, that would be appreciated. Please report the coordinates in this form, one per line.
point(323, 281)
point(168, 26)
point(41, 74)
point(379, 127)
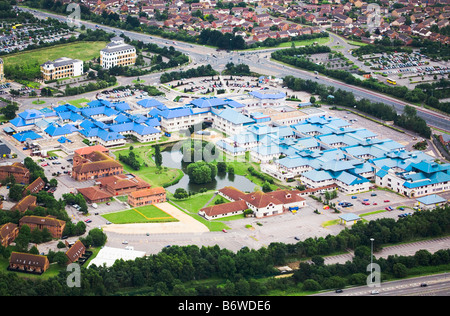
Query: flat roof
point(349, 217)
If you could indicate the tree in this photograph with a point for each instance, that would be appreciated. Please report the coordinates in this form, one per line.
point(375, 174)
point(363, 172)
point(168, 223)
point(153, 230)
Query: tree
point(15, 192)
point(158, 156)
point(400, 270)
point(266, 187)
point(201, 172)
point(221, 166)
point(98, 237)
point(311, 285)
point(180, 193)
point(9, 111)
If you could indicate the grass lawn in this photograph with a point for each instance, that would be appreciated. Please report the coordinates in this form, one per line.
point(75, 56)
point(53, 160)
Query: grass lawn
point(78, 102)
point(195, 202)
point(143, 214)
point(148, 171)
point(79, 50)
point(320, 41)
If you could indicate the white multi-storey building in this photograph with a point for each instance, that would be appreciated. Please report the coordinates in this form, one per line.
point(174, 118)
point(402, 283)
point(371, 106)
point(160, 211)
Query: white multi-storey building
point(117, 53)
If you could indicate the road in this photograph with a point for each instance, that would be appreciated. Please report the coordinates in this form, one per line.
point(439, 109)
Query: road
point(436, 285)
point(259, 61)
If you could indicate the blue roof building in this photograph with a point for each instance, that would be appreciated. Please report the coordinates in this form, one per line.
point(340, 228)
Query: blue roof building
point(24, 135)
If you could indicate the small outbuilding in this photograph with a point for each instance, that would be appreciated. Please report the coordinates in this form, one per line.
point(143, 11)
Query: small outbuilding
point(430, 201)
point(349, 219)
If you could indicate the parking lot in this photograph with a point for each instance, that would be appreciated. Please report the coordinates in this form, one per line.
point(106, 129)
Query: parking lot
point(406, 69)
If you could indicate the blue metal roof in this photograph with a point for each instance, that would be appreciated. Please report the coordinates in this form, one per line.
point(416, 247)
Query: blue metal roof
point(148, 103)
point(273, 96)
point(23, 136)
point(235, 117)
point(431, 199)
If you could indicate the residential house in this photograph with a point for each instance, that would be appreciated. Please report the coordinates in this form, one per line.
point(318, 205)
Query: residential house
point(27, 262)
point(8, 232)
point(75, 252)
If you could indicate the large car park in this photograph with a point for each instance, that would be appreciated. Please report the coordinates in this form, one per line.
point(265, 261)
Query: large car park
point(406, 69)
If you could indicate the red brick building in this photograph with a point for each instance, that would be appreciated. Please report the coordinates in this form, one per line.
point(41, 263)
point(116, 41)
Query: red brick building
point(18, 170)
point(28, 263)
point(94, 165)
point(75, 252)
point(147, 197)
point(54, 225)
point(8, 232)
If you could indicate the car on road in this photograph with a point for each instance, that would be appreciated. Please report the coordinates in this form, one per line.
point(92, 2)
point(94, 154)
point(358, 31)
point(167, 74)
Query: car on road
point(386, 201)
point(374, 292)
point(224, 230)
point(125, 242)
point(88, 221)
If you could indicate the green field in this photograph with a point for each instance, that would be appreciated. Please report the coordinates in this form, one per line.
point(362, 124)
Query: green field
point(79, 50)
point(79, 103)
point(319, 40)
point(143, 214)
point(148, 171)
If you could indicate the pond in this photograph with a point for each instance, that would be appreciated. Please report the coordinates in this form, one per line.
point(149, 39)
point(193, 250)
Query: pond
point(173, 159)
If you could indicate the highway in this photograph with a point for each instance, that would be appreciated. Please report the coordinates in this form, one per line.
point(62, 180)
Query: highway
point(259, 61)
point(436, 285)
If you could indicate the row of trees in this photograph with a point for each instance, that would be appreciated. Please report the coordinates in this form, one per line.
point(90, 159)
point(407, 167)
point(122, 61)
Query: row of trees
point(408, 120)
point(130, 160)
point(249, 271)
point(201, 71)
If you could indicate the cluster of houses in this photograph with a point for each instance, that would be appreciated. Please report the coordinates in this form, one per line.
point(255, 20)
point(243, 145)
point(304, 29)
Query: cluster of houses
point(350, 18)
point(414, 19)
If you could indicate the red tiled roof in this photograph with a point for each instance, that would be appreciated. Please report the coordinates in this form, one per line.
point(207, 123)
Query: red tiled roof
point(225, 208)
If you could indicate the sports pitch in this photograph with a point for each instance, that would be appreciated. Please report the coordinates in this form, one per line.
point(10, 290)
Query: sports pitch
point(143, 214)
